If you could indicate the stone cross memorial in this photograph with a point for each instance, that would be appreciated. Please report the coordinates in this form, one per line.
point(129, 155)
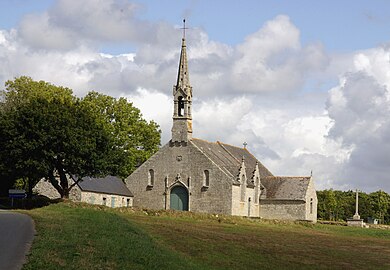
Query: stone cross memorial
point(357, 216)
point(356, 221)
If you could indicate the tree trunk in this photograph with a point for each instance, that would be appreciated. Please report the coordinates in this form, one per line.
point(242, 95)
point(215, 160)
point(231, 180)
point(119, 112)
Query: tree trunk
point(55, 184)
point(29, 187)
point(30, 183)
point(63, 181)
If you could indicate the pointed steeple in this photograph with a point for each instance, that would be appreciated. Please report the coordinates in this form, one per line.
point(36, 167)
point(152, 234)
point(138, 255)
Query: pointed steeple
point(182, 98)
point(183, 79)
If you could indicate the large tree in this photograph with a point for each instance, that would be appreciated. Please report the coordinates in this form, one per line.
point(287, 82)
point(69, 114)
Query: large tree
point(133, 139)
point(46, 132)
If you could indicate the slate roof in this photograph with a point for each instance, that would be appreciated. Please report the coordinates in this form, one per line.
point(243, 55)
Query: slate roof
point(107, 185)
point(229, 158)
point(285, 188)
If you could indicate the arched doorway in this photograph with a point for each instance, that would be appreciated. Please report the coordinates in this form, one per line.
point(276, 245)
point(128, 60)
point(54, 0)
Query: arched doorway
point(179, 198)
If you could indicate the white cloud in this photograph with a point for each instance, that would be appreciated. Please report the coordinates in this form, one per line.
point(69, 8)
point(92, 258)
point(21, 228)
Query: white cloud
point(251, 92)
point(360, 109)
point(154, 106)
point(272, 59)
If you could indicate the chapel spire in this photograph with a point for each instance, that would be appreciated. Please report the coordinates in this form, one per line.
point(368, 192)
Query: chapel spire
point(183, 79)
point(182, 97)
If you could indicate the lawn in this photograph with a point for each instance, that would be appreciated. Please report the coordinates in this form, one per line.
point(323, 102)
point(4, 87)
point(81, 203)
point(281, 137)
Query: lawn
point(77, 236)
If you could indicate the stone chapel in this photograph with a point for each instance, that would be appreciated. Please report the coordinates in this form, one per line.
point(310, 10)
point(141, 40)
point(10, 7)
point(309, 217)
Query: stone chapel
point(191, 174)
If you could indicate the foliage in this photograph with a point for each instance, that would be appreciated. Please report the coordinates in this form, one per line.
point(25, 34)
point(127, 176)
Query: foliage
point(134, 139)
point(46, 131)
point(340, 205)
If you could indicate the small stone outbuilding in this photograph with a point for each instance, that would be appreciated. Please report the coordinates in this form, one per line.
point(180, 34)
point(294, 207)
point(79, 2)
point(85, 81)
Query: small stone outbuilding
point(195, 175)
point(109, 191)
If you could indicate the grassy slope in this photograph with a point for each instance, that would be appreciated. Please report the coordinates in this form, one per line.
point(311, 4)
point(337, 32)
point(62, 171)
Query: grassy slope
point(73, 236)
point(83, 237)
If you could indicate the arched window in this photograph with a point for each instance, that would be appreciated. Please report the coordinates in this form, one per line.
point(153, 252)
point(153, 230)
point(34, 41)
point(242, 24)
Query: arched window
point(311, 206)
point(249, 206)
point(151, 178)
point(206, 178)
point(180, 105)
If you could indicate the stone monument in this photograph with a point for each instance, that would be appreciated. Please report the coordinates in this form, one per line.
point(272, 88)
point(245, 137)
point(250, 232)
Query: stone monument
point(356, 221)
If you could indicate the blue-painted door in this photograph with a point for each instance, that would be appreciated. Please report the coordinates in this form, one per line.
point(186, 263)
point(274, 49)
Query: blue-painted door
point(112, 202)
point(179, 198)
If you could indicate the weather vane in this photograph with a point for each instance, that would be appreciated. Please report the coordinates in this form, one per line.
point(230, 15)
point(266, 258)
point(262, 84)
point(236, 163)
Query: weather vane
point(184, 28)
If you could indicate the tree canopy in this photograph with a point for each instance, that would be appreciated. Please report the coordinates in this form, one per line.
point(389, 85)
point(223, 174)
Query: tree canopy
point(340, 205)
point(134, 139)
point(47, 132)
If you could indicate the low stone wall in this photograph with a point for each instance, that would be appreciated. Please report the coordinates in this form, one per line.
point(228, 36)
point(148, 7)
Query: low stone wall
point(289, 210)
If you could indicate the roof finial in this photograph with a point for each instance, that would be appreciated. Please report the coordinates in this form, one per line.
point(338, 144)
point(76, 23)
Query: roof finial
point(184, 28)
point(245, 144)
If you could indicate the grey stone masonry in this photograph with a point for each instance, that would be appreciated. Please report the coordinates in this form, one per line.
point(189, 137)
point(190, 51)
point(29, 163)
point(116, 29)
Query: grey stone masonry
point(182, 95)
point(181, 165)
point(196, 175)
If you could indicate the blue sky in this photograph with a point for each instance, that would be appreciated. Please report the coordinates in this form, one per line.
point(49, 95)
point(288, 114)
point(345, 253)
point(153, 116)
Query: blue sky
point(340, 25)
point(304, 83)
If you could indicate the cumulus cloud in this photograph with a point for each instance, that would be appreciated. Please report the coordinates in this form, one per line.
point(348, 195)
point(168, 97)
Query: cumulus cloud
point(69, 23)
point(272, 59)
point(154, 106)
point(359, 108)
point(252, 92)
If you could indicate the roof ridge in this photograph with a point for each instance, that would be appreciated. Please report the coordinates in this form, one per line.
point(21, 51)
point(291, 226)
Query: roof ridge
point(204, 140)
point(298, 176)
point(228, 144)
point(222, 169)
point(282, 176)
point(224, 148)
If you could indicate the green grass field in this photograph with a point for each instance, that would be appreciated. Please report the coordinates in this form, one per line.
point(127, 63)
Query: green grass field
point(78, 236)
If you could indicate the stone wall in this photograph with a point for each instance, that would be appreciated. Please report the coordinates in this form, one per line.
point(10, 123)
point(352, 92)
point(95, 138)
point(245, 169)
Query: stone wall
point(283, 209)
point(75, 194)
point(245, 197)
point(311, 202)
point(45, 188)
point(181, 165)
point(247, 207)
point(305, 209)
point(111, 200)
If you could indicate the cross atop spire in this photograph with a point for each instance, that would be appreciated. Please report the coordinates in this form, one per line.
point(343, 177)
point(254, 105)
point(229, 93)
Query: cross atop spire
point(184, 28)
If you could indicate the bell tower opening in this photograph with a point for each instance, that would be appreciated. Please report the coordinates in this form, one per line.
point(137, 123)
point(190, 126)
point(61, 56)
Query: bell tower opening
point(180, 108)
